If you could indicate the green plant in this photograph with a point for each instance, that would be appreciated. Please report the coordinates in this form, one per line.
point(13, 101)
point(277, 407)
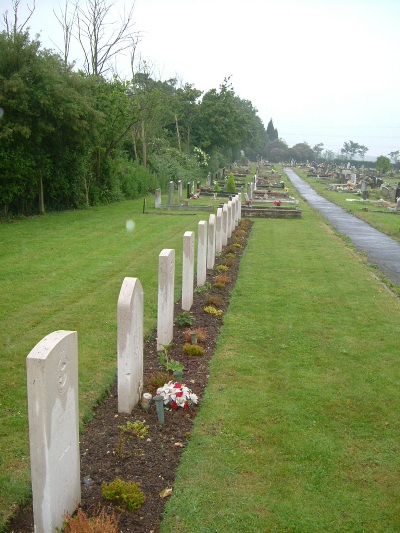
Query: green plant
point(230, 255)
point(215, 300)
point(203, 288)
point(157, 380)
point(228, 262)
point(219, 285)
point(126, 494)
point(211, 310)
point(230, 184)
point(193, 350)
point(170, 364)
point(135, 429)
point(222, 268)
point(185, 319)
point(99, 523)
point(239, 233)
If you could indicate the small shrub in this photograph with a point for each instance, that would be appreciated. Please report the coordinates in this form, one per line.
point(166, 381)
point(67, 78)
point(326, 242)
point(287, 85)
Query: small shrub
point(222, 268)
point(100, 523)
point(127, 494)
point(222, 278)
point(239, 233)
point(171, 365)
point(210, 309)
point(203, 288)
point(230, 249)
point(230, 184)
point(201, 335)
point(230, 255)
point(135, 429)
point(185, 320)
point(228, 262)
point(157, 380)
point(219, 285)
point(193, 350)
point(214, 300)
point(237, 245)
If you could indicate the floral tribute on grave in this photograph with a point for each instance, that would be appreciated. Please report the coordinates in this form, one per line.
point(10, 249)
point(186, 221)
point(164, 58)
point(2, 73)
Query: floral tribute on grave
point(177, 395)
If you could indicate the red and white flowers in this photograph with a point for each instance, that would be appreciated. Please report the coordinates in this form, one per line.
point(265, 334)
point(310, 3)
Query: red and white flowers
point(177, 395)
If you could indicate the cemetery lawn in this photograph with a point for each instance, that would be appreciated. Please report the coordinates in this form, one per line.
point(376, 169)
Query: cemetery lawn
point(299, 427)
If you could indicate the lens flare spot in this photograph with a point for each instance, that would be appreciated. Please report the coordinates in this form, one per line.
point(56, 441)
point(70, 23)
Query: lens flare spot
point(130, 225)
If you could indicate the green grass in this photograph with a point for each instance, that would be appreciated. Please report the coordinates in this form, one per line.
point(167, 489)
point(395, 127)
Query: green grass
point(298, 429)
point(65, 271)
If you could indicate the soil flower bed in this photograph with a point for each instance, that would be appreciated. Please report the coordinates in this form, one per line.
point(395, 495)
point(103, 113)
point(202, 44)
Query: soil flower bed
point(106, 451)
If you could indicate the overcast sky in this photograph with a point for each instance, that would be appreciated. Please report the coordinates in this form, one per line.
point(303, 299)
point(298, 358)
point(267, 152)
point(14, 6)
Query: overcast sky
point(325, 71)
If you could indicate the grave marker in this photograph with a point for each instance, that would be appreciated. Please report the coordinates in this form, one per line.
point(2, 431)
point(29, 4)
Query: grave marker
point(157, 202)
point(130, 344)
point(218, 231)
point(211, 242)
point(52, 382)
point(224, 225)
point(171, 192)
point(187, 270)
point(201, 253)
point(165, 314)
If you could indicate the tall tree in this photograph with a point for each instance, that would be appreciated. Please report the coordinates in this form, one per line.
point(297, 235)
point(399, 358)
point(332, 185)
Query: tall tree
point(350, 149)
point(272, 132)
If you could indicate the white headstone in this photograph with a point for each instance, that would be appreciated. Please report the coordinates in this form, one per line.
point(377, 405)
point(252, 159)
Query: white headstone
point(211, 242)
point(229, 223)
point(165, 312)
point(202, 253)
point(218, 231)
point(187, 270)
point(224, 224)
point(52, 381)
point(130, 344)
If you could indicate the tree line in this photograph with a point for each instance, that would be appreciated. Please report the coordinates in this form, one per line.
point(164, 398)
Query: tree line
point(77, 138)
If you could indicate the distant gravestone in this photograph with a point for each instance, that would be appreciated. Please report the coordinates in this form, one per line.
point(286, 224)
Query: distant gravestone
point(211, 242)
point(187, 270)
point(179, 191)
point(229, 221)
point(171, 192)
point(201, 253)
point(157, 202)
point(52, 382)
point(130, 344)
point(165, 312)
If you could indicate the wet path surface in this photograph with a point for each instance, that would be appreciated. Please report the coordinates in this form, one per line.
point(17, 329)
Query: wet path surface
point(381, 250)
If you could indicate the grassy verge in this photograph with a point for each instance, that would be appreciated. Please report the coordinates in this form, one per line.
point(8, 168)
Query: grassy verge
point(298, 429)
point(64, 271)
point(372, 212)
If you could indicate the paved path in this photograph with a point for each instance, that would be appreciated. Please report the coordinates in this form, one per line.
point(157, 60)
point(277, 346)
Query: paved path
point(380, 249)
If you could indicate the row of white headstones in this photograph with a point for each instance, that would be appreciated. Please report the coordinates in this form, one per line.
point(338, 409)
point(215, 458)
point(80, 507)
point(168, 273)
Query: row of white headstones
point(52, 369)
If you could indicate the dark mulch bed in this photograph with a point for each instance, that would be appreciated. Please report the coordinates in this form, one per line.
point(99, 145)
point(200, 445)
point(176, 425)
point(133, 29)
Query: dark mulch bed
point(152, 462)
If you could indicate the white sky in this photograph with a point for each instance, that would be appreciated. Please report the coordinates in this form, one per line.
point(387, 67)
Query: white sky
point(325, 71)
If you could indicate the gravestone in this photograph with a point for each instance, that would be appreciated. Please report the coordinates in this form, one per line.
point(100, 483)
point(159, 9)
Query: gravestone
point(179, 191)
point(52, 382)
point(201, 253)
point(218, 231)
point(130, 344)
point(229, 222)
point(224, 225)
point(157, 202)
point(171, 192)
point(211, 242)
point(187, 270)
point(249, 191)
point(165, 311)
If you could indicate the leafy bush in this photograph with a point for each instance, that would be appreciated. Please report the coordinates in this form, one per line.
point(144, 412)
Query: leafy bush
point(211, 310)
point(157, 380)
point(127, 494)
point(214, 300)
point(230, 184)
point(81, 523)
point(222, 268)
point(185, 320)
point(201, 335)
point(193, 350)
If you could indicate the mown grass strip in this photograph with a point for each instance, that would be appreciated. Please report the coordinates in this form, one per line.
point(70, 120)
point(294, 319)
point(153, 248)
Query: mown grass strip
point(298, 429)
point(65, 271)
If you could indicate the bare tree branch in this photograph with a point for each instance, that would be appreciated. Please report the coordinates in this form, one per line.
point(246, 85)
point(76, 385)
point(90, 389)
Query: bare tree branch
point(66, 21)
point(15, 27)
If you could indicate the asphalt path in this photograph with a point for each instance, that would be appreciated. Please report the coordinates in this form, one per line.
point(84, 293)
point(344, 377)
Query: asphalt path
point(380, 249)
